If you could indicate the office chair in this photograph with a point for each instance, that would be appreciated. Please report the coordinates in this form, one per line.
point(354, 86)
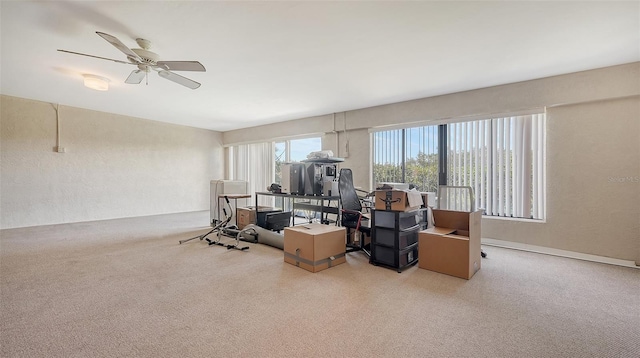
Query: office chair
point(352, 216)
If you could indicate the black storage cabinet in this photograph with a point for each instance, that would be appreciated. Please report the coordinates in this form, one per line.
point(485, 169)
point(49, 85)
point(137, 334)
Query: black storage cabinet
point(394, 238)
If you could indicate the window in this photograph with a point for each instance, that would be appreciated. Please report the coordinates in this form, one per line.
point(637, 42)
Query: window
point(260, 163)
point(502, 159)
point(407, 156)
point(294, 150)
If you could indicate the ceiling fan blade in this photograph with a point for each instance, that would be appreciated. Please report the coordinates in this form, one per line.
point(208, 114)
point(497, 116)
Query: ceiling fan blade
point(178, 79)
point(102, 58)
point(181, 66)
point(120, 46)
point(135, 77)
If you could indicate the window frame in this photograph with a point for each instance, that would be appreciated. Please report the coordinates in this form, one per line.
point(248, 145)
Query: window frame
point(538, 195)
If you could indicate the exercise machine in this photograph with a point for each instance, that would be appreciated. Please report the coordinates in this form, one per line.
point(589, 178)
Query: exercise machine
point(222, 228)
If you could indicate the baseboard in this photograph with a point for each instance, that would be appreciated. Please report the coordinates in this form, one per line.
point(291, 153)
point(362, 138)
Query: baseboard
point(557, 252)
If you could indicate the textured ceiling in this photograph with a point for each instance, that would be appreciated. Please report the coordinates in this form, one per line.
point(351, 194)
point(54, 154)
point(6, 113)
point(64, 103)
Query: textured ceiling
point(273, 61)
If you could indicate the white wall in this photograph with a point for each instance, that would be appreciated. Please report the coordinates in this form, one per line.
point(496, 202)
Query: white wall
point(593, 134)
point(115, 166)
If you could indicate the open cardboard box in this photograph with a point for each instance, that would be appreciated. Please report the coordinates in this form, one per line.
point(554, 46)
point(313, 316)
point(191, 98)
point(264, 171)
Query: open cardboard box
point(398, 200)
point(452, 246)
point(428, 199)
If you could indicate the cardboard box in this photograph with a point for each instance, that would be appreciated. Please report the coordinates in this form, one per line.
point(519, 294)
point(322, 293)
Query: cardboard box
point(451, 247)
point(397, 200)
point(428, 199)
point(247, 215)
point(315, 247)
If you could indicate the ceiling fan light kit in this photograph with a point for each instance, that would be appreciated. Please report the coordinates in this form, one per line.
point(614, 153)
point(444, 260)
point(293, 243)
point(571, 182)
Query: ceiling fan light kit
point(97, 83)
point(145, 61)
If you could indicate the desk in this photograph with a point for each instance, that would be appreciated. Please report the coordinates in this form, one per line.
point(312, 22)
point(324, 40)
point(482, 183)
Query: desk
point(305, 202)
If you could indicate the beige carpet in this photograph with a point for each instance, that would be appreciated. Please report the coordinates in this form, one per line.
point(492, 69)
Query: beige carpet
point(126, 288)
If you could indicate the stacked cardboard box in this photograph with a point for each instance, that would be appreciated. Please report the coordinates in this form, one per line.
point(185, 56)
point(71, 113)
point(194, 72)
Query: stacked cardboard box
point(452, 246)
point(398, 200)
point(315, 247)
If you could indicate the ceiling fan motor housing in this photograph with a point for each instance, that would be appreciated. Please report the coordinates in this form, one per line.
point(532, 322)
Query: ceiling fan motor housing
point(149, 59)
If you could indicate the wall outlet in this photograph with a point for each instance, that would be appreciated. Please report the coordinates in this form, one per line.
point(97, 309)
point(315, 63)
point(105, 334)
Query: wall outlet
point(59, 149)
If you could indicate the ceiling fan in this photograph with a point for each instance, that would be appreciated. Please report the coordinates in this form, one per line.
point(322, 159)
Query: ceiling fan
point(146, 61)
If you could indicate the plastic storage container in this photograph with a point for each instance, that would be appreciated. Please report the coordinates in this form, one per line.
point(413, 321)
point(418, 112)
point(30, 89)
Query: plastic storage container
point(402, 239)
point(394, 238)
point(392, 258)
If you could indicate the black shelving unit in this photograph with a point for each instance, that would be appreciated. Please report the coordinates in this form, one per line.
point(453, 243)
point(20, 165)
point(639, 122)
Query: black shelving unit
point(394, 238)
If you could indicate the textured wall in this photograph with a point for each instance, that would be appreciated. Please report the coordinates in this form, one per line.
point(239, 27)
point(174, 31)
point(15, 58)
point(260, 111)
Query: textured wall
point(115, 166)
point(593, 143)
point(593, 183)
point(605, 83)
point(358, 158)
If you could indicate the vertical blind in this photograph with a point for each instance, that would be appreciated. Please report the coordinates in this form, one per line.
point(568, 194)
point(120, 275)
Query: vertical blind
point(388, 162)
point(259, 163)
point(254, 163)
point(407, 156)
point(502, 159)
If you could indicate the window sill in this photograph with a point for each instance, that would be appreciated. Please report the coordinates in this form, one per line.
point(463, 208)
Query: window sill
point(505, 218)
